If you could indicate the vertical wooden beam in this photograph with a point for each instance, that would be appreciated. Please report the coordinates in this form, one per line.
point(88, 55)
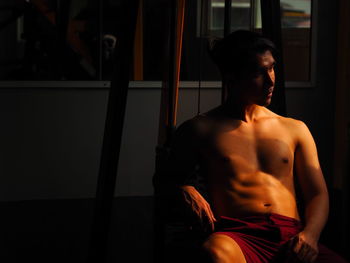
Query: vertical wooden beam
point(171, 77)
point(342, 97)
point(341, 162)
point(252, 15)
point(227, 31)
point(179, 36)
point(138, 47)
point(112, 135)
point(227, 17)
point(167, 119)
point(99, 39)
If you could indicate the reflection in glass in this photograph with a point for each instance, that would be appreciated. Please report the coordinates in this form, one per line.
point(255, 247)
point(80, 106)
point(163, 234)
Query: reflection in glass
point(76, 39)
point(49, 40)
point(296, 30)
point(296, 13)
point(58, 39)
point(240, 13)
point(296, 38)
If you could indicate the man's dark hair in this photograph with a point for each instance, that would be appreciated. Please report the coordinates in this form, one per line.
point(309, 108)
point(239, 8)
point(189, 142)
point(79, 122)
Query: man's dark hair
point(236, 52)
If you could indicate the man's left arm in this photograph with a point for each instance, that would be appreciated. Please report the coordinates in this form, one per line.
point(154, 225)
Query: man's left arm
point(315, 194)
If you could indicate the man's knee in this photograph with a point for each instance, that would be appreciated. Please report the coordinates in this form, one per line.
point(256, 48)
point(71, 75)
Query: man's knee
point(221, 249)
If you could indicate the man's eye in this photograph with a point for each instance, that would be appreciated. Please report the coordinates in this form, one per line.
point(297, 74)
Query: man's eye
point(257, 73)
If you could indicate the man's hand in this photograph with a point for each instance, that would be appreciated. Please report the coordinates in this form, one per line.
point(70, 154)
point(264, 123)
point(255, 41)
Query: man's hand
point(302, 248)
point(199, 206)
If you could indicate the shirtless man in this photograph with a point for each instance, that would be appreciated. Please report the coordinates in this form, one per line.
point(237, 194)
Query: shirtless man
point(249, 157)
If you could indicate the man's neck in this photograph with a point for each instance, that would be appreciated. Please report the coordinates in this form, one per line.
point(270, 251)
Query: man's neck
point(245, 112)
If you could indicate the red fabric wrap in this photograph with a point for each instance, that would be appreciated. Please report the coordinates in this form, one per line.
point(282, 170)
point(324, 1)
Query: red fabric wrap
point(263, 238)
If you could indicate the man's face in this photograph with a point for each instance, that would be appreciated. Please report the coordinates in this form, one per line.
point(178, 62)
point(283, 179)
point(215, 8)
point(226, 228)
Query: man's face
point(257, 84)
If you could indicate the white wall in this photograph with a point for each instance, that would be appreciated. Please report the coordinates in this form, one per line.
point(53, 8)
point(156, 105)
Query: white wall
point(50, 139)
point(50, 142)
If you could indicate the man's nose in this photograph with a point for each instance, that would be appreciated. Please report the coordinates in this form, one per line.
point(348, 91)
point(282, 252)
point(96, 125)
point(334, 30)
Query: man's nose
point(270, 78)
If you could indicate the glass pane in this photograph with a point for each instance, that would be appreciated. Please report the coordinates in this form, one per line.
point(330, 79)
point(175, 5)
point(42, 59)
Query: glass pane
point(296, 31)
point(155, 32)
point(48, 40)
point(196, 62)
point(195, 59)
point(41, 40)
point(240, 16)
point(296, 38)
point(296, 13)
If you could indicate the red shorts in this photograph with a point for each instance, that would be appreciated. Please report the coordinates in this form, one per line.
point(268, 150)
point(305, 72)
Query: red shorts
point(262, 238)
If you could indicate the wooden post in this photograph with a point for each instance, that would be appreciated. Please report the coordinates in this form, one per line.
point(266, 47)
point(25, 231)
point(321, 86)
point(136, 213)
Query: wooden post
point(167, 118)
point(112, 137)
point(227, 31)
point(342, 112)
point(138, 47)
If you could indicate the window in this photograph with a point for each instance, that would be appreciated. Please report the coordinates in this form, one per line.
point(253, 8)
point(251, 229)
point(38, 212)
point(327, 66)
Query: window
point(75, 40)
point(296, 39)
point(58, 40)
point(296, 30)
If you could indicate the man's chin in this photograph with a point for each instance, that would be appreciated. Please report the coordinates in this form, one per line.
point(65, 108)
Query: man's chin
point(268, 102)
point(265, 102)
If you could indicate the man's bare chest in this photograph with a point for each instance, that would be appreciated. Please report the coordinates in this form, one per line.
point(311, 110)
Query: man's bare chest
point(250, 150)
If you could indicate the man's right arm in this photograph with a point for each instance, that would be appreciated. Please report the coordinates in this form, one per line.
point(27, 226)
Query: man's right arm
point(184, 165)
point(199, 206)
point(314, 189)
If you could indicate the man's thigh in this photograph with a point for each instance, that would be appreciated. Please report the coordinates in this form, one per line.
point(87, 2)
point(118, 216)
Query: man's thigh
point(220, 248)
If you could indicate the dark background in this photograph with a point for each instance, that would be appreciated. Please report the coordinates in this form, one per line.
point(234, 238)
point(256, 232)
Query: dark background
point(52, 113)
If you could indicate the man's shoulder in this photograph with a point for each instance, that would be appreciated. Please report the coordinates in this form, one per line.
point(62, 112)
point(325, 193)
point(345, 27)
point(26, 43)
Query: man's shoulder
point(196, 126)
point(295, 127)
point(294, 123)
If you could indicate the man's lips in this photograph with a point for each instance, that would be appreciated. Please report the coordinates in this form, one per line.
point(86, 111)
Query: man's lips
point(269, 92)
